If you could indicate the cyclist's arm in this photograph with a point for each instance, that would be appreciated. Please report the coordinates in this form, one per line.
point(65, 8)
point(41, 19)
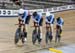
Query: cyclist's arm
point(34, 20)
point(63, 22)
point(19, 16)
point(39, 18)
point(52, 19)
point(47, 21)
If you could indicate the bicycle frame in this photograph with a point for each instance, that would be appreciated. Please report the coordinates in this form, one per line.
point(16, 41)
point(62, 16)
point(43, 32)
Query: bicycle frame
point(48, 33)
point(36, 34)
point(20, 34)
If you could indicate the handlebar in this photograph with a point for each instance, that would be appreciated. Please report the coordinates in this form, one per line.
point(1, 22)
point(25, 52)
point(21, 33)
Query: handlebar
point(19, 24)
point(34, 26)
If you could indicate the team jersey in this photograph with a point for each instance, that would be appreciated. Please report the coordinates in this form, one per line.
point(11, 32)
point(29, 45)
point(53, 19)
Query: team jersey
point(25, 14)
point(60, 22)
point(37, 18)
point(50, 19)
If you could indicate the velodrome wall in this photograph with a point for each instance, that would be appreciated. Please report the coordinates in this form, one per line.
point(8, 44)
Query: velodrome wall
point(14, 13)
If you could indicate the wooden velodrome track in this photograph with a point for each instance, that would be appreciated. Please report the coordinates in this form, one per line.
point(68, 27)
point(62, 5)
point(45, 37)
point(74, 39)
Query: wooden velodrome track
point(7, 31)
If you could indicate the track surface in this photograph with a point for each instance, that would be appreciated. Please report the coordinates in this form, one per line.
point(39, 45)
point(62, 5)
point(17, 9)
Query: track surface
point(7, 31)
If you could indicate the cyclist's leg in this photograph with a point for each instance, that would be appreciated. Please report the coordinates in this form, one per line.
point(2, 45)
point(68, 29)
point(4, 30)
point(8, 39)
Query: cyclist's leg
point(50, 36)
point(24, 34)
point(50, 32)
point(59, 38)
point(56, 37)
point(38, 36)
point(51, 26)
point(28, 19)
point(26, 26)
point(40, 24)
point(47, 37)
point(24, 30)
point(60, 31)
point(41, 32)
point(47, 34)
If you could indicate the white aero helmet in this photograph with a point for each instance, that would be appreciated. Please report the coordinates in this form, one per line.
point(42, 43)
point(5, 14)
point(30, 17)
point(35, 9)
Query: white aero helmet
point(21, 11)
point(47, 13)
point(52, 14)
point(40, 13)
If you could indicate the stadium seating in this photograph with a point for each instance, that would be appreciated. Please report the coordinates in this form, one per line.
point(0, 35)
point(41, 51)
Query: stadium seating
point(35, 4)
